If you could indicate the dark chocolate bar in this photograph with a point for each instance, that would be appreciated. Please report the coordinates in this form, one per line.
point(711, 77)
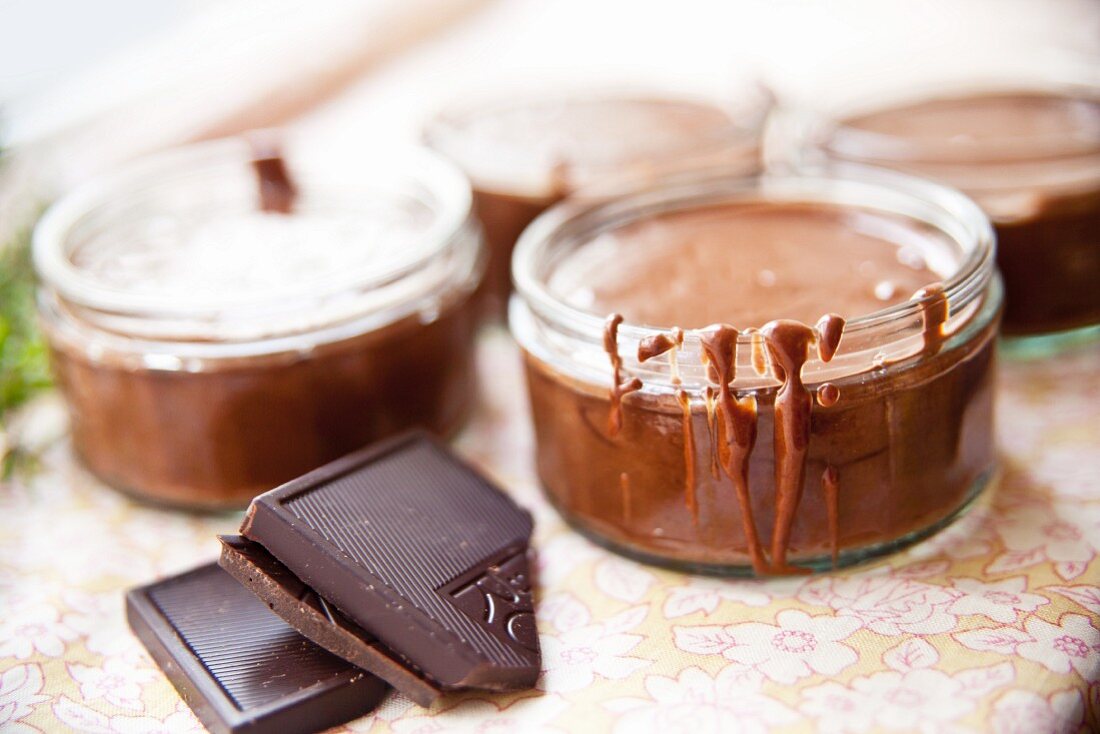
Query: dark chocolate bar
point(421, 552)
point(239, 666)
point(301, 607)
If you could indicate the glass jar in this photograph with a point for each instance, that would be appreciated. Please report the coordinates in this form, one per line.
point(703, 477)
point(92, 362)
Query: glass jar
point(641, 448)
point(1029, 153)
point(208, 351)
point(525, 152)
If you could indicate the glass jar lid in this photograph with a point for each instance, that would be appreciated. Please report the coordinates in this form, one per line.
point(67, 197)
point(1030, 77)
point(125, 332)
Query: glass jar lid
point(174, 247)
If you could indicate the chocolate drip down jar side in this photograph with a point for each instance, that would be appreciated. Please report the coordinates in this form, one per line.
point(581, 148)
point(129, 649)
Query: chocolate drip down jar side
point(763, 375)
point(214, 338)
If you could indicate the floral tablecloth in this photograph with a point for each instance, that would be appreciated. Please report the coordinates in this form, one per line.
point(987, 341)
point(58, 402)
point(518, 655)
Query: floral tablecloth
point(993, 625)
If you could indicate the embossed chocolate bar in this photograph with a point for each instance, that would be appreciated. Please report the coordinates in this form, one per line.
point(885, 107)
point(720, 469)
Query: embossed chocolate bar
point(418, 550)
point(238, 666)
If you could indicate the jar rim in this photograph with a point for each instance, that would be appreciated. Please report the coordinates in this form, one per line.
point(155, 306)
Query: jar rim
point(746, 114)
point(837, 136)
point(451, 203)
point(840, 184)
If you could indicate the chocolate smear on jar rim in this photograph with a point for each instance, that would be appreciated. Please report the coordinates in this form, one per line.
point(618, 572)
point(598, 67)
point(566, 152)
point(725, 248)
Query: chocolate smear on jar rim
point(732, 420)
point(619, 388)
point(276, 190)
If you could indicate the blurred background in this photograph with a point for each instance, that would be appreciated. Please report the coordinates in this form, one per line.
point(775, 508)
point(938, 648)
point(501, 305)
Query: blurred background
point(86, 85)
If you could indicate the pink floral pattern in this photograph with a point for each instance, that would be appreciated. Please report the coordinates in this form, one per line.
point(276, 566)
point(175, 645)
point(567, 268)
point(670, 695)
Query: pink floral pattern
point(991, 626)
point(797, 646)
point(694, 702)
point(1073, 644)
point(20, 690)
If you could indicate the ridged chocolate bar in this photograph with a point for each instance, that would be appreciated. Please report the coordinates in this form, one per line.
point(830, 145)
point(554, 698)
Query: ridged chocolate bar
point(302, 608)
point(419, 551)
point(239, 666)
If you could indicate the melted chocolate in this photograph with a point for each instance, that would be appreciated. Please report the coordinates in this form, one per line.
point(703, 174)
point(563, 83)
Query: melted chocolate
point(736, 427)
point(277, 191)
point(867, 435)
point(933, 315)
point(830, 484)
point(827, 394)
point(689, 454)
point(696, 267)
point(788, 344)
point(619, 389)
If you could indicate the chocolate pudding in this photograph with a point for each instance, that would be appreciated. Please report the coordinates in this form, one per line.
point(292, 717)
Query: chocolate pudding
point(792, 372)
point(217, 330)
point(1032, 160)
point(523, 156)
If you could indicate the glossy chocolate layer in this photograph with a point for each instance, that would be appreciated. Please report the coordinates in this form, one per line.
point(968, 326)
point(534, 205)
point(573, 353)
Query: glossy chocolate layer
point(747, 265)
point(721, 478)
point(1032, 160)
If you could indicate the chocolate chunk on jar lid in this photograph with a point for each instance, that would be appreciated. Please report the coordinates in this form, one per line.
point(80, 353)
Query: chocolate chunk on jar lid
point(418, 550)
point(238, 666)
point(302, 608)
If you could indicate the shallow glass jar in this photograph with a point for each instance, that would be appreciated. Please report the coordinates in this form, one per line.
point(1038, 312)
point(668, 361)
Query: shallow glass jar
point(899, 439)
point(1029, 153)
point(526, 151)
point(209, 351)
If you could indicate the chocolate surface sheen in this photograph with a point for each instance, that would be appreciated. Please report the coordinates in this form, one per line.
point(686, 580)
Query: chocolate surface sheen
point(238, 666)
point(303, 609)
point(420, 552)
point(747, 264)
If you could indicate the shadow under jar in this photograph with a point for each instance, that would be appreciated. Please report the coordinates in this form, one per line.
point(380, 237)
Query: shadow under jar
point(209, 351)
point(525, 153)
point(794, 440)
point(1030, 156)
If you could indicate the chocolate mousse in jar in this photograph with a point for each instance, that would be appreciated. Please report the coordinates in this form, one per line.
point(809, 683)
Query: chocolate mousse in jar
point(1029, 154)
point(763, 375)
point(219, 326)
point(525, 152)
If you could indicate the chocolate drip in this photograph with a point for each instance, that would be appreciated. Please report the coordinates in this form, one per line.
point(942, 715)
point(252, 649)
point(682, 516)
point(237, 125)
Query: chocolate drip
point(759, 353)
point(830, 482)
point(736, 428)
point(933, 313)
point(788, 344)
point(829, 329)
point(710, 395)
point(689, 455)
point(619, 389)
point(827, 395)
point(624, 491)
point(277, 191)
point(655, 346)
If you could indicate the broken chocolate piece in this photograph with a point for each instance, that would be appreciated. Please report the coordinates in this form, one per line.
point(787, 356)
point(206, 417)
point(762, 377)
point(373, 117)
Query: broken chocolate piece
point(305, 611)
point(238, 666)
point(420, 551)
